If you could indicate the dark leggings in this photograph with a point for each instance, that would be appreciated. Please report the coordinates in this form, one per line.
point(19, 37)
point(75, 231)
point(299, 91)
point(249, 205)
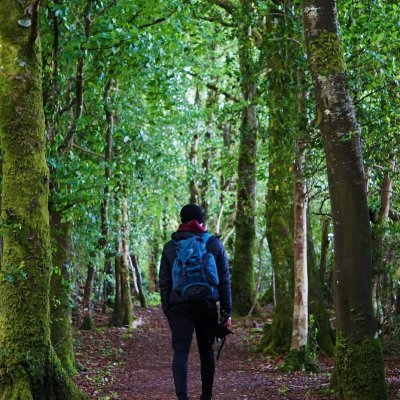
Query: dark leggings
point(183, 318)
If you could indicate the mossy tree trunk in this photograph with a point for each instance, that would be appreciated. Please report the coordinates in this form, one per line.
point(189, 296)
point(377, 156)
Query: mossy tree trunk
point(359, 370)
point(30, 367)
point(282, 103)
point(60, 227)
point(243, 285)
point(60, 292)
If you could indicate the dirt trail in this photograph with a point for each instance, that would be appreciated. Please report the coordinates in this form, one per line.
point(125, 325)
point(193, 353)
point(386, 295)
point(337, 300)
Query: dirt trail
point(123, 365)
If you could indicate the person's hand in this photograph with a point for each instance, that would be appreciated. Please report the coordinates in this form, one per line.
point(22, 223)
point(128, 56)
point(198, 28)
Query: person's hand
point(228, 322)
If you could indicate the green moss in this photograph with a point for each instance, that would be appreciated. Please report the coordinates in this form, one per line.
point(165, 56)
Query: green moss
point(27, 364)
point(24, 309)
point(276, 337)
point(87, 323)
point(61, 385)
point(299, 361)
point(243, 285)
point(326, 54)
point(359, 370)
point(18, 390)
point(60, 293)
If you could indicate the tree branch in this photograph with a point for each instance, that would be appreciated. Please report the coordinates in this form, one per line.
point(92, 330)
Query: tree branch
point(162, 19)
point(215, 88)
point(34, 11)
point(227, 5)
point(156, 21)
point(87, 151)
point(67, 107)
point(79, 85)
point(368, 94)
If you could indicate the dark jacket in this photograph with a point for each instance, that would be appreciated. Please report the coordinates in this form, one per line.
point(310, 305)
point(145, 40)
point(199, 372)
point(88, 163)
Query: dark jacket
point(213, 246)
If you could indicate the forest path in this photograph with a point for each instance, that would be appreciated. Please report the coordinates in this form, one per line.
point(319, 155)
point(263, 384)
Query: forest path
point(118, 364)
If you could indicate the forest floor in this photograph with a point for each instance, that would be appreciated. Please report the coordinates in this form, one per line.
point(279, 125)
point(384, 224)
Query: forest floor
point(117, 363)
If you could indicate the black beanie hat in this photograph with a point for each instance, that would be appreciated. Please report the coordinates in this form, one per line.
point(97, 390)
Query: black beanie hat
point(191, 212)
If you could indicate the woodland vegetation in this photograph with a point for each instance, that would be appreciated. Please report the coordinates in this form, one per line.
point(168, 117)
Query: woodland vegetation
point(278, 117)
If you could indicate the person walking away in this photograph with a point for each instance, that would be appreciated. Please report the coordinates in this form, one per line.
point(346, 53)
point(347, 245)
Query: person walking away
point(194, 275)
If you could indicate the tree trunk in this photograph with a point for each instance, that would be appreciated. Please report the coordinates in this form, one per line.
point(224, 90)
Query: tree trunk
point(104, 217)
point(30, 368)
point(87, 317)
point(283, 117)
point(226, 188)
point(117, 314)
point(193, 157)
point(243, 286)
point(300, 303)
point(1, 202)
point(79, 84)
point(152, 266)
point(325, 222)
point(378, 235)
point(359, 370)
point(316, 301)
point(138, 277)
point(207, 152)
point(260, 274)
point(123, 300)
point(126, 298)
point(60, 292)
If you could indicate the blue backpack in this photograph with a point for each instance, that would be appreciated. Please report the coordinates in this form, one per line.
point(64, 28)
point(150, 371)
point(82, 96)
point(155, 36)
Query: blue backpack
point(194, 272)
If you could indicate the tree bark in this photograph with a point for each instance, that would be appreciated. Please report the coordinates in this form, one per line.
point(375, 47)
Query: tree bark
point(60, 229)
point(30, 368)
point(152, 266)
point(325, 222)
point(300, 303)
point(138, 276)
point(283, 118)
point(60, 292)
point(193, 157)
point(379, 275)
point(226, 187)
point(243, 285)
point(87, 308)
point(317, 304)
point(123, 314)
point(117, 314)
point(126, 298)
point(359, 372)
